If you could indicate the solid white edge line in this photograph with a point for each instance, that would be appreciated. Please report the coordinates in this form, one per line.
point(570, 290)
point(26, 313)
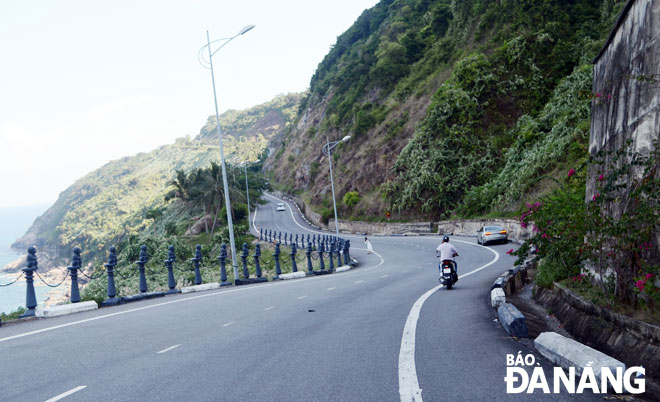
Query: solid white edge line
point(269, 308)
point(168, 349)
point(67, 393)
point(408, 383)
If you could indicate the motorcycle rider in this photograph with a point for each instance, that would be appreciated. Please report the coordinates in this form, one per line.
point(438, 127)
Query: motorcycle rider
point(447, 252)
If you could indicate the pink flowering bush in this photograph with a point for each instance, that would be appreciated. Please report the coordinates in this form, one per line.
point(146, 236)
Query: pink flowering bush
point(570, 234)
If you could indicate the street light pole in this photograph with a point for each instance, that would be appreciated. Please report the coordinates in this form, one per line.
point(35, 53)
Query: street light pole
point(230, 223)
point(327, 150)
point(247, 190)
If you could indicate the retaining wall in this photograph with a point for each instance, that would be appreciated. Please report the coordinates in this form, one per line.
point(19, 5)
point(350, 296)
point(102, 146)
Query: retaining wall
point(631, 341)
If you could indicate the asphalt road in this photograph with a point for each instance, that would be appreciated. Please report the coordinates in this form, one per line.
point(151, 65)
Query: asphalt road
point(340, 337)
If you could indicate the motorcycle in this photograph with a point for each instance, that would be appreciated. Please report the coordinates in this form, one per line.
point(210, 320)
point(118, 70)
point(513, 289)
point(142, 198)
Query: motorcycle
point(449, 276)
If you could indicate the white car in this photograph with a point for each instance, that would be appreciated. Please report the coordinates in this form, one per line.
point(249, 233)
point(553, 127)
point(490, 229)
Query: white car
point(493, 234)
point(280, 206)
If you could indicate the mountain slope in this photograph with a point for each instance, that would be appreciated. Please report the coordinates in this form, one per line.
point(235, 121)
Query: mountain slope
point(436, 96)
point(112, 201)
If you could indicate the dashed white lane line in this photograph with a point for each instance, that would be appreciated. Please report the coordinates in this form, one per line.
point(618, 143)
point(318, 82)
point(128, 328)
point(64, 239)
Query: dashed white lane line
point(301, 297)
point(358, 281)
point(67, 393)
point(384, 276)
point(168, 349)
point(228, 324)
point(332, 288)
point(269, 308)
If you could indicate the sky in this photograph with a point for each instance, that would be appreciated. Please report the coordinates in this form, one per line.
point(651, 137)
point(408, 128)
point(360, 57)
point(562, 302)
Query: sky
point(86, 82)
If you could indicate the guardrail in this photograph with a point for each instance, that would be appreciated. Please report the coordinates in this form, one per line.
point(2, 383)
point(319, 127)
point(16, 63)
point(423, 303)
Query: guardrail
point(322, 248)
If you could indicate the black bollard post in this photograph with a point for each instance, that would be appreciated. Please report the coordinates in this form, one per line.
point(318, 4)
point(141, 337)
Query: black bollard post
point(144, 257)
point(244, 256)
point(276, 256)
point(110, 270)
point(196, 260)
point(331, 252)
point(279, 238)
point(321, 251)
point(76, 263)
point(171, 259)
point(347, 246)
point(261, 234)
point(222, 258)
point(294, 267)
point(30, 298)
point(296, 243)
point(257, 255)
point(285, 236)
point(310, 269)
point(338, 248)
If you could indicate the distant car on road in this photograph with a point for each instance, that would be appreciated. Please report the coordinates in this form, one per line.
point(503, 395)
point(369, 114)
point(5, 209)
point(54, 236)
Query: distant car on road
point(280, 206)
point(493, 233)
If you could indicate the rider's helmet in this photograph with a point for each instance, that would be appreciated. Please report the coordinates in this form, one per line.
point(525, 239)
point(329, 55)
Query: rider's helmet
point(445, 239)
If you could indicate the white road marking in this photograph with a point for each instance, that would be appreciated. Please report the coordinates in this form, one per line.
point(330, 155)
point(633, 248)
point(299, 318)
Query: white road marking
point(67, 393)
point(384, 276)
point(332, 288)
point(269, 308)
point(358, 281)
point(212, 294)
point(228, 324)
point(408, 383)
point(301, 297)
point(170, 348)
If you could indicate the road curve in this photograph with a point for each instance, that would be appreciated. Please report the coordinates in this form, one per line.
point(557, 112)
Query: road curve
point(330, 338)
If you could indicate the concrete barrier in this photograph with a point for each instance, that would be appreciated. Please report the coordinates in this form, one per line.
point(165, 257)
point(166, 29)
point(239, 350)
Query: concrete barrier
point(497, 297)
point(567, 353)
point(512, 320)
point(343, 268)
point(64, 309)
point(199, 288)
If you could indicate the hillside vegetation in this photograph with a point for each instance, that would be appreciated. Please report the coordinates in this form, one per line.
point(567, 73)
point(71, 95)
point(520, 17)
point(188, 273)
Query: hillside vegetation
point(128, 196)
point(454, 107)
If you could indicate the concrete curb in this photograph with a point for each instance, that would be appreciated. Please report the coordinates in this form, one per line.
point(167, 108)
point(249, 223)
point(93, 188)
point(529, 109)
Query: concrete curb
point(199, 288)
point(497, 297)
point(567, 353)
point(65, 309)
point(343, 268)
point(293, 275)
point(512, 320)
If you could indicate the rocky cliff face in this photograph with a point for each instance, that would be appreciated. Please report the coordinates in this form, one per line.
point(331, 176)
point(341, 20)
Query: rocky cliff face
point(626, 103)
point(439, 98)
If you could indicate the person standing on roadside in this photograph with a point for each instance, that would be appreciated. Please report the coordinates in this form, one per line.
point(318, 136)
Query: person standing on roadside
point(370, 248)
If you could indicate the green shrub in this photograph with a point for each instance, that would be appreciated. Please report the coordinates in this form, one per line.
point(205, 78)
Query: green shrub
point(351, 198)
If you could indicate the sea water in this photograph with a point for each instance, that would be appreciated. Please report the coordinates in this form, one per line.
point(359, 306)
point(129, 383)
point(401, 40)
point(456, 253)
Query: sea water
point(14, 222)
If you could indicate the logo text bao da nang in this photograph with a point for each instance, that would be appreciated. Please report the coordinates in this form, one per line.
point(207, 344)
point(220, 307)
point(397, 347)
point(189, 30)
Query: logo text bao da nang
point(518, 379)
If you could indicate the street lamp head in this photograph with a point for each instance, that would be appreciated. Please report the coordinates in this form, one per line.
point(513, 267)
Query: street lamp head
point(348, 137)
point(245, 29)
